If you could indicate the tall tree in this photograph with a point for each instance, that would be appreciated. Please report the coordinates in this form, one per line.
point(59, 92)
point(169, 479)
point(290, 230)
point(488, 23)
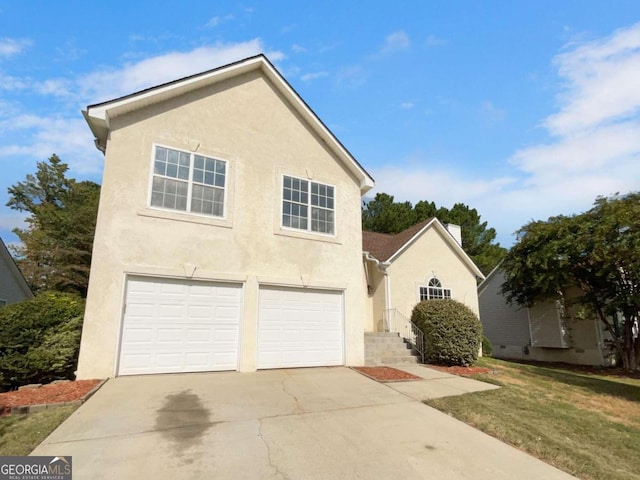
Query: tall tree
point(384, 215)
point(597, 252)
point(55, 253)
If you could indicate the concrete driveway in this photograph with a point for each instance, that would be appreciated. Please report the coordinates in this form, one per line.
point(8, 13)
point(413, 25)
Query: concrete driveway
point(317, 423)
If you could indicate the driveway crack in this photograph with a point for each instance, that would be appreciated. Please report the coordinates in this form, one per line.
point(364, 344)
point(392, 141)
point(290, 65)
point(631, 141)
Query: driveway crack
point(277, 472)
point(298, 409)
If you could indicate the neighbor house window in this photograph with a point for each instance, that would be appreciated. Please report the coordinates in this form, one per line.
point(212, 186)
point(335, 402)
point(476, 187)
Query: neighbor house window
point(188, 182)
point(308, 205)
point(434, 291)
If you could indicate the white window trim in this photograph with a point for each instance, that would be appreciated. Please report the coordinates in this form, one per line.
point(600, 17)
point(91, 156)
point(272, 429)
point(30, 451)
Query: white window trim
point(427, 286)
point(308, 230)
point(190, 184)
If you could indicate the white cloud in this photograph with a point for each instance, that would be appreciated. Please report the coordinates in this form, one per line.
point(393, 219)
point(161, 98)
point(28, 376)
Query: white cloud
point(593, 147)
point(602, 82)
point(106, 84)
point(433, 41)
point(7, 82)
point(67, 137)
point(395, 42)
point(490, 113)
point(407, 105)
point(12, 46)
point(218, 19)
point(298, 48)
point(313, 76)
point(352, 77)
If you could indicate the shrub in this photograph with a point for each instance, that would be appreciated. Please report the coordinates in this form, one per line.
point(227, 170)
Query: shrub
point(487, 349)
point(452, 332)
point(40, 339)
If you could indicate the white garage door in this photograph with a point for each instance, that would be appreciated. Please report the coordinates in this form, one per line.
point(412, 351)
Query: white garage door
point(300, 328)
point(179, 326)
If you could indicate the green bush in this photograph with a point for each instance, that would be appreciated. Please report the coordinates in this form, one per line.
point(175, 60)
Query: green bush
point(487, 349)
point(452, 332)
point(40, 339)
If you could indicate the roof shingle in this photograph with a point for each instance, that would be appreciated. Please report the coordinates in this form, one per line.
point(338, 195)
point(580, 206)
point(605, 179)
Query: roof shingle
point(384, 245)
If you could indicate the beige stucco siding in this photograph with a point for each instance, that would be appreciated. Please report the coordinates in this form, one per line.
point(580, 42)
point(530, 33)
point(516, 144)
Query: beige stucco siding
point(430, 253)
point(246, 123)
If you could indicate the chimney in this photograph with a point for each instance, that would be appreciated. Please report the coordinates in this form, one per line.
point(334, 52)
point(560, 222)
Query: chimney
point(455, 231)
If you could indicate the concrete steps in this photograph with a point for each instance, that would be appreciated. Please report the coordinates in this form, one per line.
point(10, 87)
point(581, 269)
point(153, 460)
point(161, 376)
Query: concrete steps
point(384, 348)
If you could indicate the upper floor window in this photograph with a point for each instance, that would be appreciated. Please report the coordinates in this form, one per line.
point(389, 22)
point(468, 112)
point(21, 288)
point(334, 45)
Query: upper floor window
point(188, 182)
point(434, 290)
point(308, 205)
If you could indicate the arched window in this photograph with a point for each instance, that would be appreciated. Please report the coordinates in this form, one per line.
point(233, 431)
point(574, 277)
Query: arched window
point(434, 290)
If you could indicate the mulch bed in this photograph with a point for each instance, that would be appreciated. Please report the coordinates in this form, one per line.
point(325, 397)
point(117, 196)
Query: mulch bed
point(386, 374)
point(462, 371)
point(46, 394)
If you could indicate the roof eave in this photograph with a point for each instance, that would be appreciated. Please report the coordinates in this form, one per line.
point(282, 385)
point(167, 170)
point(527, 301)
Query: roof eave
point(98, 116)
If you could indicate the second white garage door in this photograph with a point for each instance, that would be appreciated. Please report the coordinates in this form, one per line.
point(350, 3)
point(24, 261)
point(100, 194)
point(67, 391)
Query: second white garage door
point(300, 328)
point(175, 325)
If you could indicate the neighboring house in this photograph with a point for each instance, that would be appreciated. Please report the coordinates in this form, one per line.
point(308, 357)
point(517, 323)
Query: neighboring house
point(13, 286)
point(548, 331)
point(423, 262)
point(228, 233)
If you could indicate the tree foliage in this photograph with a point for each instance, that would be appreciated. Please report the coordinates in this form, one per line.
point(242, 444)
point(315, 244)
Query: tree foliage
point(384, 215)
point(55, 253)
point(597, 252)
point(40, 339)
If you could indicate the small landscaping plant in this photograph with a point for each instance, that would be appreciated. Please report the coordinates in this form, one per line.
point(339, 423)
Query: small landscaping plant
point(487, 349)
point(452, 331)
point(40, 339)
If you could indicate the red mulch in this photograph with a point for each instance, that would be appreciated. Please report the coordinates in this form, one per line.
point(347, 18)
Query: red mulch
point(462, 371)
point(386, 374)
point(52, 393)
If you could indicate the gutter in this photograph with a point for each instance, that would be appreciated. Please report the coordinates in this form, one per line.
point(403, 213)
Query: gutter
point(382, 268)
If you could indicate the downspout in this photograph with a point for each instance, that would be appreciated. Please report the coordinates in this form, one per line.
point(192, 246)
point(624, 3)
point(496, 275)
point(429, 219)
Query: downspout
point(382, 268)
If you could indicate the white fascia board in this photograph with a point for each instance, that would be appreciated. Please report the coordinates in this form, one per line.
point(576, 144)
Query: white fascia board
point(99, 115)
point(366, 182)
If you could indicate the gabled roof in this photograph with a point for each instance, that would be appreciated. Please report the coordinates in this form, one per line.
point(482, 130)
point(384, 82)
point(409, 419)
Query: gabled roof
point(99, 115)
point(7, 259)
point(387, 247)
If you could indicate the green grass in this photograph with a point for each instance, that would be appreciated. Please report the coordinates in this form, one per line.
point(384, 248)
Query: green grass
point(20, 434)
point(585, 424)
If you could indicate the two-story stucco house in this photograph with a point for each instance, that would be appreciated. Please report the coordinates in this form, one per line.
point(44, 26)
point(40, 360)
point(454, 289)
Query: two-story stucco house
point(228, 235)
point(229, 231)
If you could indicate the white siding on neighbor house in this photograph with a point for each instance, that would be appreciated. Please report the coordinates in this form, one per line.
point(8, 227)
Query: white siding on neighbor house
point(504, 325)
point(13, 287)
point(547, 325)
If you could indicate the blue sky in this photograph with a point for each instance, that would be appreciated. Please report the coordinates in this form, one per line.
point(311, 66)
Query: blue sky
point(522, 110)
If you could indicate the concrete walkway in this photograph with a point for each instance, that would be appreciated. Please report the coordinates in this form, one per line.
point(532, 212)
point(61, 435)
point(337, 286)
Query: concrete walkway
point(315, 423)
point(436, 384)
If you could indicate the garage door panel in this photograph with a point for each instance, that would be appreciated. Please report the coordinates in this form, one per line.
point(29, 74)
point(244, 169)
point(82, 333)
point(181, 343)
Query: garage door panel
point(299, 327)
point(180, 326)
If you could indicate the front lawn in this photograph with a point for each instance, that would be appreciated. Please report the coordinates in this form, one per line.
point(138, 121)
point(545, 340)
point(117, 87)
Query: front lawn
point(20, 434)
point(587, 424)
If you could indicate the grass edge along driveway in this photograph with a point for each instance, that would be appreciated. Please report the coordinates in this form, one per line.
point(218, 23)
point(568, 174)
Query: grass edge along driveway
point(20, 434)
point(587, 424)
